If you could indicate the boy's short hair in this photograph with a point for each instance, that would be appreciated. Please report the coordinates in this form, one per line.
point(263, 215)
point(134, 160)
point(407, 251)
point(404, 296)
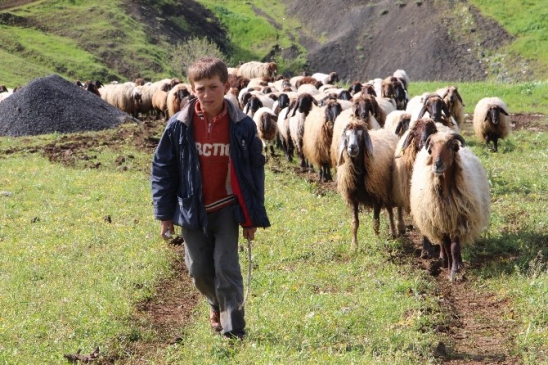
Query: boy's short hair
point(207, 68)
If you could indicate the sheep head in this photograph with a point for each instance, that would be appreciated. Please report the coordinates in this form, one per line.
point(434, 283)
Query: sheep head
point(355, 140)
point(403, 124)
point(442, 148)
point(493, 114)
point(418, 135)
point(435, 106)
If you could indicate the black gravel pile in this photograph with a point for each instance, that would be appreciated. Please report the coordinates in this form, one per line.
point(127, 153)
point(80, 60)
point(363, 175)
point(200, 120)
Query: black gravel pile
point(52, 104)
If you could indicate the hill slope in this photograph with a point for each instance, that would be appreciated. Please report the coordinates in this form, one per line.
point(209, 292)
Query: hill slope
point(125, 39)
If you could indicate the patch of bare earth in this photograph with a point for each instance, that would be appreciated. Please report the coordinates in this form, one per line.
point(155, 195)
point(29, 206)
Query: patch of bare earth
point(479, 328)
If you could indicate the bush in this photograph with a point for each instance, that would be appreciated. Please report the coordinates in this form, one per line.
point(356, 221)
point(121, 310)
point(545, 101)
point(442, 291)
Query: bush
point(188, 51)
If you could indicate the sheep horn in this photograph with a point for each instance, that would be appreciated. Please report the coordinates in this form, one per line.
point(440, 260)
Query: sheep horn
point(459, 138)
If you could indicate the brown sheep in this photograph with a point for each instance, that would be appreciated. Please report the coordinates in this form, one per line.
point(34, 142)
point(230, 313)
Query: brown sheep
point(364, 173)
point(318, 136)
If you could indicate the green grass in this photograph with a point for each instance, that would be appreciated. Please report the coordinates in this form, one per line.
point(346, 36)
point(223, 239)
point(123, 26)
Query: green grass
point(525, 97)
point(69, 279)
point(253, 36)
point(525, 20)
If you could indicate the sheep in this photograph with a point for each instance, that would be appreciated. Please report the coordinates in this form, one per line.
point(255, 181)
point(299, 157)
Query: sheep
point(330, 78)
point(453, 100)
point(410, 143)
point(491, 120)
point(122, 96)
point(361, 110)
point(393, 88)
point(5, 92)
point(148, 90)
point(364, 173)
point(318, 136)
point(437, 110)
point(265, 119)
point(175, 96)
point(283, 130)
point(255, 69)
point(308, 80)
point(367, 105)
point(308, 89)
point(297, 119)
point(402, 76)
point(397, 121)
point(450, 198)
point(384, 107)
point(159, 104)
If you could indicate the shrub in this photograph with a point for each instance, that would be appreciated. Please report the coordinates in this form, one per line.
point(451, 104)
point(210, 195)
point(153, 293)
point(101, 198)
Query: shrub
point(188, 51)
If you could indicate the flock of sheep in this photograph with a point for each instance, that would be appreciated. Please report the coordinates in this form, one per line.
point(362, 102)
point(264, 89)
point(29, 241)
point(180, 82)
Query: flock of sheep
point(389, 150)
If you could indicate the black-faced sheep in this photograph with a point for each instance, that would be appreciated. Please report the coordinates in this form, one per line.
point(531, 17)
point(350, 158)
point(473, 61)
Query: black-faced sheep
point(437, 110)
point(393, 88)
point(297, 119)
point(402, 76)
point(267, 127)
point(318, 136)
point(450, 197)
point(491, 120)
point(255, 69)
point(174, 97)
point(364, 173)
point(397, 121)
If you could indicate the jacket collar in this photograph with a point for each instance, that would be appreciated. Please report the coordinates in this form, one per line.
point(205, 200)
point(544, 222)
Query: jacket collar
point(234, 113)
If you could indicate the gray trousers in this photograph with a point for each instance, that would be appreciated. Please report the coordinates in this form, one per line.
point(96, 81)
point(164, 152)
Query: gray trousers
point(213, 263)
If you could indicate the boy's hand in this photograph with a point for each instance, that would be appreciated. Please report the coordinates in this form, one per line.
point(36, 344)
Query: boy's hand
point(166, 229)
point(249, 232)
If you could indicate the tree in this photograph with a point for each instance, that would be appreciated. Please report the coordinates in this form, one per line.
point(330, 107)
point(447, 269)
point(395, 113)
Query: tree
point(188, 51)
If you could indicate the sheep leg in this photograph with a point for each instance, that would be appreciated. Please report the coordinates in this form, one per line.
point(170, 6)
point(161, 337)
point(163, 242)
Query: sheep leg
point(376, 218)
point(391, 220)
point(401, 224)
point(495, 144)
point(445, 252)
point(272, 153)
point(456, 257)
point(355, 225)
point(426, 248)
point(326, 172)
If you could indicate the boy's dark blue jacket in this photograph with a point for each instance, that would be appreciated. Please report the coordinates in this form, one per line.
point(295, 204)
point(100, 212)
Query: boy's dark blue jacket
point(176, 179)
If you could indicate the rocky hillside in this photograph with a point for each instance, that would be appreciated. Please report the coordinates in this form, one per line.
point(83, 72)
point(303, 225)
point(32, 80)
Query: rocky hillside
point(373, 38)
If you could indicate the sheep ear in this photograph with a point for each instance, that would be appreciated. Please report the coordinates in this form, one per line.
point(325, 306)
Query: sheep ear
point(422, 111)
point(367, 143)
point(503, 111)
point(459, 97)
point(342, 147)
point(315, 101)
point(407, 141)
point(427, 145)
point(445, 109)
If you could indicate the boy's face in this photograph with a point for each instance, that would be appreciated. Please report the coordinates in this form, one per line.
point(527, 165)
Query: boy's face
point(211, 93)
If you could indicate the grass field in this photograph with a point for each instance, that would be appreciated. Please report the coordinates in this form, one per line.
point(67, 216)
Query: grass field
point(79, 249)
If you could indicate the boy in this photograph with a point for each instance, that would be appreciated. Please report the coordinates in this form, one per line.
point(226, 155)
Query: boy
point(208, 177)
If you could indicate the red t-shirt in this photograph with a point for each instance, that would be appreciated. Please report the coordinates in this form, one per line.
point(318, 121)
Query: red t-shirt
point(212, 143)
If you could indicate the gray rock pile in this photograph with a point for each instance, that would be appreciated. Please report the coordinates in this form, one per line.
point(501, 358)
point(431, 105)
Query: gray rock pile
point(54, 105)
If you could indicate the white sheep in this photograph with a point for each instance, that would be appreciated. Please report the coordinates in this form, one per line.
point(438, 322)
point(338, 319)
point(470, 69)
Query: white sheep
point(330, 78)
point(402, 75)
point(283, 131)
point(255, 69)
point(318, 136)
point(450, 199)
point(265, 119)
point(491, 120)
point(122, 96)
point(364, 173)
